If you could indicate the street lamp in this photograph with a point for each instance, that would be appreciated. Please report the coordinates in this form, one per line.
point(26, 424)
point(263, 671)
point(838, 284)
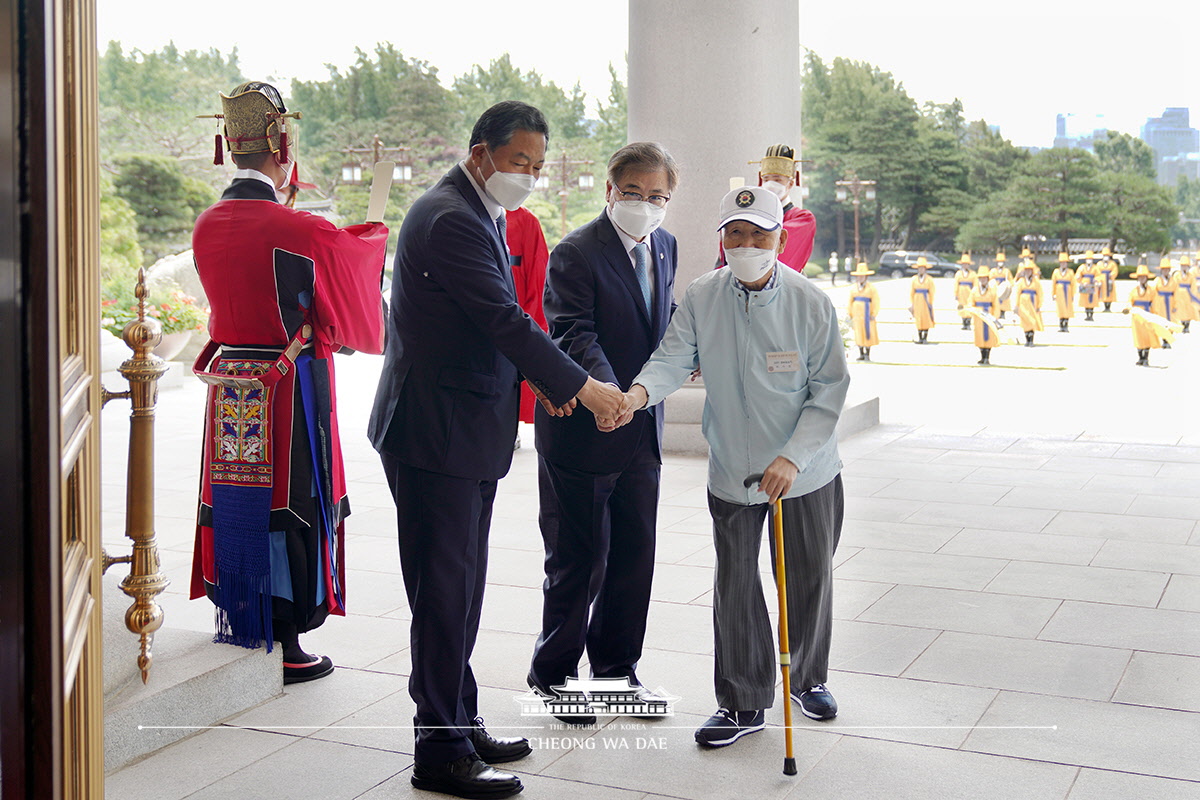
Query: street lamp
point(858, 191)
point(583, 181)
point(352, 170)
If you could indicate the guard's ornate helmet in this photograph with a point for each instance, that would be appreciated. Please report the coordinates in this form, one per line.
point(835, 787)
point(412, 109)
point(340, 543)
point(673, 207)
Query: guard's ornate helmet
point(255, 121)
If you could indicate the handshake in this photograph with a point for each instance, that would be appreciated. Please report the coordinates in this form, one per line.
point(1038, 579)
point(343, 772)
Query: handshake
point(611, 407)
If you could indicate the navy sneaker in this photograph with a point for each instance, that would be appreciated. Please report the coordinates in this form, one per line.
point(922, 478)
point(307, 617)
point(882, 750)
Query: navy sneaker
point(816, 703)
point(726, 727)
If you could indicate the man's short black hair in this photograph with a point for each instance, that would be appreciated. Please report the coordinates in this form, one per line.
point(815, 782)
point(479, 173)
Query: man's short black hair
point(496, 126)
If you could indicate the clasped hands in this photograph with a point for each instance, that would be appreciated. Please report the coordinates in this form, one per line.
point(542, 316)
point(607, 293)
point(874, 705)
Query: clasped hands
point(611, 407)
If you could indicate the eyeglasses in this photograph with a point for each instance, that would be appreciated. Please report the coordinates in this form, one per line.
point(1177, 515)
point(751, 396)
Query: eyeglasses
point(656, 200)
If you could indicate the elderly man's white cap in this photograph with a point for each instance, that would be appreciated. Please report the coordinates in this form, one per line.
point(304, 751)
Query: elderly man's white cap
point(755, 205)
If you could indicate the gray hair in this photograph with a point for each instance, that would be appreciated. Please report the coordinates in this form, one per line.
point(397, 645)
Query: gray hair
point(643, 157)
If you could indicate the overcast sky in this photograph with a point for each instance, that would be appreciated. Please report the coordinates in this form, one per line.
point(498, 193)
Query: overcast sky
point(1015, 64)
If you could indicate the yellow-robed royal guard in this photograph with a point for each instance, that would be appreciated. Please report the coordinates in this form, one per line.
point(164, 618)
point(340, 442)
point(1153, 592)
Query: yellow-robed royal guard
point(1187, 296)
point(1002, 276)
point(1028, 291)
point(920, 298)
point(964, 281)
point(1088, 282)
point(863, 308)
point(982, 306)
point(1164, 301)
point(1063, 281)
point(1150, 331)
point(1109, 272)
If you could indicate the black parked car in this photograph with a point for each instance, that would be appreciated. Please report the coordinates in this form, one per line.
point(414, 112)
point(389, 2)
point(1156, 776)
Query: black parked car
point(899, 264)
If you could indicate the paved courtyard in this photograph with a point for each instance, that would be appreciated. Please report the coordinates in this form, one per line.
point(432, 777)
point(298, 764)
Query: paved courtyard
point(1017, 601)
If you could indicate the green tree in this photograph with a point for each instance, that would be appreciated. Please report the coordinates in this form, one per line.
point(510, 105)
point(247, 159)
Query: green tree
point(165, 201)
point(992, 160)
point(149, 101)
point(1187, 197)
point(120, 252)
point(1135, 208)
point(612, 129)
point(482, 87)
point(1059, 187)
point(1121, 152)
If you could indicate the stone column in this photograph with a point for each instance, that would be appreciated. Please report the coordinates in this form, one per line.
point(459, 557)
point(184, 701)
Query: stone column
point(716, 83)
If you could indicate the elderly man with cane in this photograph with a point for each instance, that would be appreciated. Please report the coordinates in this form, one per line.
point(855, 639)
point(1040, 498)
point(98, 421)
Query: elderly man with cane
point(768, 343)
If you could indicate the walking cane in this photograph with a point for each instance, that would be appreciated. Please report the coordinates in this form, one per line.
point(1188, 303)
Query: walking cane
point(785, 652)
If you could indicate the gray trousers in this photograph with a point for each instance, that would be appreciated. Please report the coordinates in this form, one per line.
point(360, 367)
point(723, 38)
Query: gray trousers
point(747, 650)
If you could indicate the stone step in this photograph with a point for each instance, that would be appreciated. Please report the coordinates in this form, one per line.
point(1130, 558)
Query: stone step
point(193, 683)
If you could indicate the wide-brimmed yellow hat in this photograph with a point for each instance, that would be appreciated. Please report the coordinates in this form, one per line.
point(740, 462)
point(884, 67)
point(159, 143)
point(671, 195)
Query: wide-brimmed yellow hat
point(1142, 272)
point(1107, 251)
point(1090, 255)
point(921, 262)
point(1000, 256)
point(983, 272)
point(1026, 264)
point(1165, 263)
point(1064, 257)
point(1184, 261)
point(966, 259)
point(1026, 253)
point(861, 269)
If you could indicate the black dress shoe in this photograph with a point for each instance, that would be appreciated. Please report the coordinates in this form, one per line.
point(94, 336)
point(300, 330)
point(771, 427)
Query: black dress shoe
point(548, 695)
point(301, 673)
point(497, 751)
point(466, 777)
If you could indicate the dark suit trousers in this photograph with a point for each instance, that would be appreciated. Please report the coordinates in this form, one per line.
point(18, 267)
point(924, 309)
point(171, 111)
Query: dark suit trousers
point(598, 532)
point(443, 525)
point(746, 648)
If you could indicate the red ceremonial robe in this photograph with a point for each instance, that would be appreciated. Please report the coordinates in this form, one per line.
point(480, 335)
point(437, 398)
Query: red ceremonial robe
point(528, 256)
point(267, 271)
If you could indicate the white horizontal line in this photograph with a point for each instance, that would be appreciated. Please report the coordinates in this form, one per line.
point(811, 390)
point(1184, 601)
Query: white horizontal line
point(586, 728)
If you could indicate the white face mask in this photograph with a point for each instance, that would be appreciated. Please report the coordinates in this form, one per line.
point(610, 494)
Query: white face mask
point(281, 191)
point(637, 218)
point(749, 264)
point(509, 189)
point(779, 190)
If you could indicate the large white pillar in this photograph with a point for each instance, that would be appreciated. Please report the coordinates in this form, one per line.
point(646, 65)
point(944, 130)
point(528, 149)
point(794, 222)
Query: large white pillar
point(716, 82)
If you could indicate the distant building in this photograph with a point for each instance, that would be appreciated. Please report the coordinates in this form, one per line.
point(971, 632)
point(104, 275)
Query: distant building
point(1066, 137)
point(1171, 136)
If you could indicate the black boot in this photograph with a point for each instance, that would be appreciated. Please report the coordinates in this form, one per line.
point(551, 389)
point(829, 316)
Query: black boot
point(966, 324)
point(983, 354)
point(862, 354)
point(1143, 358)
point(1108, 306)
point(924, 337)
point(1029, 338)
point(1185, 325)
point(1089, 314)
point(1002, 315)
point(1066, 326)
point(1166, 345)
point(867, 354)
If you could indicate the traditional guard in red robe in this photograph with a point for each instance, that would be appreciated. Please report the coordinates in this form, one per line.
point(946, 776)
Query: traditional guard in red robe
point(288, 289)
point(528, 255)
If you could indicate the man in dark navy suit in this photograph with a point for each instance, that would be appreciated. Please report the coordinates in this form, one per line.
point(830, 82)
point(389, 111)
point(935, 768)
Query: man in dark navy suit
point(609, 296)
point(444, 421)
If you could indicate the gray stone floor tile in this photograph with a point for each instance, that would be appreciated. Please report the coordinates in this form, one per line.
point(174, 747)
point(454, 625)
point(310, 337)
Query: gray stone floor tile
point(672, 547)
point(698, 523)
point(306, 707)
point(399, 787)
point(903, 710)
point(516, 534)
point(962, 492)
point(854, 768)
point(1177, 470)
point(977, 459)
point(988, 517)
point(1146, 452)
point(289, 773)
point(981, 444)
point(750, 768)
point(957, 610)
point(1156, 504)
point(1164, 681)
point(1071, 582)
point(1017, 546)
point(516, 567)
point(679, 627)
point(1195, 534)
point(1182, 594)
point(1103, 502)
point(876, 649)
point(857, 486)
point(356, 641)
point(921, 569)
point(193, 763)
point(882, 509)
point(1065, 670)
point(367, 520)
point(1064, 447)
point(895, 535)
point(852, 598)
point(1099, 465)
point(1147, 741)
point(1096, 784)
point(676, 583)
point(517, 609)
point(374, 594)
point(874, 468)
point(1121, 526)
point(1152, 629)
point(905, 454)
point(1041, 479)
point(373, 553)
point(1141, 484)
point(1177, 558)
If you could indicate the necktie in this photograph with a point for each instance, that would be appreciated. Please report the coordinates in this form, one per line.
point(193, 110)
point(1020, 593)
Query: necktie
point(502, 229)
point(641, 261)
